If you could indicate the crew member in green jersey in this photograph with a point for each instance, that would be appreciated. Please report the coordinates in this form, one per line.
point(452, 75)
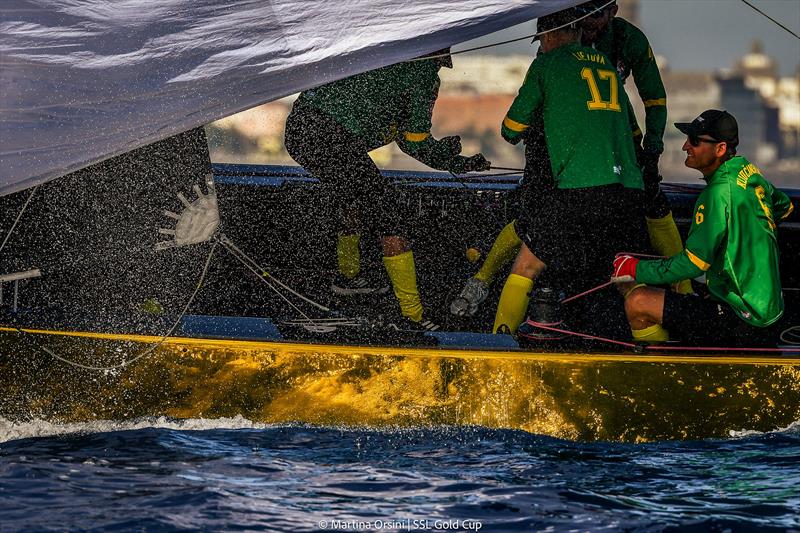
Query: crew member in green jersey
point(630, 53)
point(733, 241)
point(330, 131)
point(594, 203)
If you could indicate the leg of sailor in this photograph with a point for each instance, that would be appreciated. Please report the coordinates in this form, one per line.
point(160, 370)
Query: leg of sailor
point(538, 174)
point(354, 184)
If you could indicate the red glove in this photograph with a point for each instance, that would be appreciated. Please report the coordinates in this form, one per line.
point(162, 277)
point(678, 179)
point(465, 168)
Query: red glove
point(624, 269)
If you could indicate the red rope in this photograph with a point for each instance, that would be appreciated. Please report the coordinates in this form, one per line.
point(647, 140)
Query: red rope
point(657, 347)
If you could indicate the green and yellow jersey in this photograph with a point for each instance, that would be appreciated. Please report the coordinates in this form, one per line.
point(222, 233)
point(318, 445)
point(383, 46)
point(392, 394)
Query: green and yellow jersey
point(385, 105)
point(630, 53)
point(586, 123)
point(733, 240)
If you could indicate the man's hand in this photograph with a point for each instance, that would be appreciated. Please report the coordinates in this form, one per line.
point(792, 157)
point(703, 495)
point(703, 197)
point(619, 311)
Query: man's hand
point(476, 163)
point(648, 161)
point(624, 269)
point(452, 143)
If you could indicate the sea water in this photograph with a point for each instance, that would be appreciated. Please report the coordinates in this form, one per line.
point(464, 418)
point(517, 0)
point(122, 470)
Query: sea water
point(234, 475)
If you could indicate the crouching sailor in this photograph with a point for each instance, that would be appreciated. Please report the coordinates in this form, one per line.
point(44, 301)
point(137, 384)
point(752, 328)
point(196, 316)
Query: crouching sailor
point(330, 131)
point(732, 240)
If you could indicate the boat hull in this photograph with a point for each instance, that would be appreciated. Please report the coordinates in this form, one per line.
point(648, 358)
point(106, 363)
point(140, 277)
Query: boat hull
point(599, 396)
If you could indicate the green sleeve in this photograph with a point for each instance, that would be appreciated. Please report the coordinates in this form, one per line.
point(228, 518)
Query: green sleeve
point(651, 90)
point(414, 137)
point(781, 204)
point(708, 231)
point(520, 116)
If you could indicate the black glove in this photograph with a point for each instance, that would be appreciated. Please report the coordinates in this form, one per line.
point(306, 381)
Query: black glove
point(648, 162)
point(656, 204)
point(451, 144)
point(476, 163)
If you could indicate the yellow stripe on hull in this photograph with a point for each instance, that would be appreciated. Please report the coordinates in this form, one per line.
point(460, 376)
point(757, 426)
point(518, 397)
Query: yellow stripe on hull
point(573, 396)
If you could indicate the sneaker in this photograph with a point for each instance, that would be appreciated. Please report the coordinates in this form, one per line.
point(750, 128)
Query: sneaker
point(472, 296)
point(358, 285)
point(406, 324)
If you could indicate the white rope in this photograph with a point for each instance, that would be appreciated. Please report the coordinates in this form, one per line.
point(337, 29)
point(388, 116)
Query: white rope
point(263, 274)
point(152, 348)
point(19, 216)
point(244, 260)
point(533, 35)
point(791, 335)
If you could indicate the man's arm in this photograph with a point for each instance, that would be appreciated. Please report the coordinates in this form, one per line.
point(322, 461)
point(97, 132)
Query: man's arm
point(415, 137)
point(520, 114)
point(647, 79)
point(782, 205)
point(708, 231)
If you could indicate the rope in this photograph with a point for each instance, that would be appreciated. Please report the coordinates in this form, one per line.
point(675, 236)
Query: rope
point(508, 168)
point(791, 335)
point(245, 259)
point(590, 291)
point(19, 216)
point(770, 18)
point(148, 351)
point(658, 347)
point(532, 36)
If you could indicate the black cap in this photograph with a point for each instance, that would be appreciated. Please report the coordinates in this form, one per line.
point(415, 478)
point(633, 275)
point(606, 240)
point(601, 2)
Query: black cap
point(554, 20)
point(719, 125)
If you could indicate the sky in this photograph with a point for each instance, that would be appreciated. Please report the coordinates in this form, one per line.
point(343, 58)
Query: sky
point(700, 35)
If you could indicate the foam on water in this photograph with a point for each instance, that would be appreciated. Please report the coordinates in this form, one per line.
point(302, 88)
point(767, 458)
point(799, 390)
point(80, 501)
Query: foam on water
point(42, 428)
point(37, 428)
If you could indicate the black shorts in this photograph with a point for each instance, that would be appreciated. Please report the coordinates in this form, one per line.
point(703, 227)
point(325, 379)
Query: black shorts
point(704, 321)
point(356, 193)
point(577, 232)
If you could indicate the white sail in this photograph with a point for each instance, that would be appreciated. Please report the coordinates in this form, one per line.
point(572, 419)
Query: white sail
point(84, 80)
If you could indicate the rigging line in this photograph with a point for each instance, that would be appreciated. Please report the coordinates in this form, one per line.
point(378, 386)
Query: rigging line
point(508, 168)
point(19, 216)
point(228, 242)
point(539, 34)
point(152, 348)
point(584, 293)
point(770, 18)
point(235, 254)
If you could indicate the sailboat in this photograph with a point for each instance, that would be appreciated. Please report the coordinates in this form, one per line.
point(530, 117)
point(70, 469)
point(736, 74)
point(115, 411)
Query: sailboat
point(110, 309)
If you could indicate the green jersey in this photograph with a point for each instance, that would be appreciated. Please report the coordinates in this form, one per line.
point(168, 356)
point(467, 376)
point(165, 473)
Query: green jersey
point(732, 240)
point(393, 103)
point(630, 53)
point(584, 108)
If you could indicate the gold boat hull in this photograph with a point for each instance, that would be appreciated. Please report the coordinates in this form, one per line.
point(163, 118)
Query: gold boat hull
point(617, 397)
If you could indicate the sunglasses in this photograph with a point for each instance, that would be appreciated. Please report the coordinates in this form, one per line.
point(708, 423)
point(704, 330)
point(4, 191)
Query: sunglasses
point(695, 141)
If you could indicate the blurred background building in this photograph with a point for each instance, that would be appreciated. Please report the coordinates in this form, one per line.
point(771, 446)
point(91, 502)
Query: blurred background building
point(476, 94)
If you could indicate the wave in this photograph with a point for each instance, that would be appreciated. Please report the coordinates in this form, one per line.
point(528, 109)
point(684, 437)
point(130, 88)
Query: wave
point(42, 428)
point(38, 428)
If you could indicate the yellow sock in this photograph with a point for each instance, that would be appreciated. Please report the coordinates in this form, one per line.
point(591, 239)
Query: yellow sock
point(666, 241)
point(654, 333)
point(348, 255)
point(404, 281)
point(504, 249)
point(513, 303)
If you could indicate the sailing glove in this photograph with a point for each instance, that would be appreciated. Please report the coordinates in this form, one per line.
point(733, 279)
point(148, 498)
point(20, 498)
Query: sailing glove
point(477, 163)
point(624, 269)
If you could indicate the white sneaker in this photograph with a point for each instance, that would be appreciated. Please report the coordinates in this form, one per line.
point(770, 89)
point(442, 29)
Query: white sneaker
point(472, 296)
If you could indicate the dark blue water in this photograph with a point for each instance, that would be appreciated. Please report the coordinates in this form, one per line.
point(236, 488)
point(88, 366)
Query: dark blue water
point(298, 478)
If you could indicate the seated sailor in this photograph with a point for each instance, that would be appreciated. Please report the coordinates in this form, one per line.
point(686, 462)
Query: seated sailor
point(595, 201)
point(330, 131)
point(732, 241)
